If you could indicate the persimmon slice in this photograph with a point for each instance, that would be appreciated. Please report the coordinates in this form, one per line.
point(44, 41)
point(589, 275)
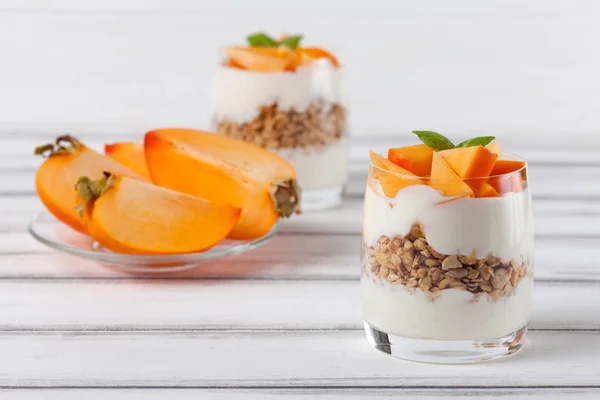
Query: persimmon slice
point(391, 177)
point(470, 163)
point(416, 159)
point(446, 180)
point(55, 180)
point(226, 170)
point(308, 55)
point(506, 166)
point(134, 217)
point(260, 59)
point(495, 148)
point(130, 155)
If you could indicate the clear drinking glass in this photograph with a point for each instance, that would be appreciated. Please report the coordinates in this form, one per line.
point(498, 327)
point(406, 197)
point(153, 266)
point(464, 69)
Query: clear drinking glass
point(300, 114)
point(446, 279)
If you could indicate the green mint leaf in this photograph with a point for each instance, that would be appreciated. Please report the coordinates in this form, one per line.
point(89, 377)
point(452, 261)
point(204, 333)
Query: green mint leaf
point(477, 141)
point(261, 39)
point(291, 41)
point(434, 140)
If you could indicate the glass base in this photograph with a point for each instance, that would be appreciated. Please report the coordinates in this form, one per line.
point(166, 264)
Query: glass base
point(321, 199)
point(446, 351)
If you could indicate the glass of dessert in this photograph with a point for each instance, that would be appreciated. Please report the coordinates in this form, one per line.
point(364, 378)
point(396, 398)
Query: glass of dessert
point(447, 257)
point(290, 100)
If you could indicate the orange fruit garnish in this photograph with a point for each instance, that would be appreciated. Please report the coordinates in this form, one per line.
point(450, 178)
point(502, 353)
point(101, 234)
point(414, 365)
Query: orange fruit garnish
point(391, 177)
point(226, 170)
point(56, 178)
point(129, 216)
point(130, 155)
point(416, 159)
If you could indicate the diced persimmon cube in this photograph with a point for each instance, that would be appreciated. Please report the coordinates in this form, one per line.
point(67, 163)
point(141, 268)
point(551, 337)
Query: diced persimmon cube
point(494, 148)
point(417, 159)
point(486, 190)
point(446, 180)
point(391, 177)
point(471, 162)
point(506, 166)
point(508, 176)
point(507, 183)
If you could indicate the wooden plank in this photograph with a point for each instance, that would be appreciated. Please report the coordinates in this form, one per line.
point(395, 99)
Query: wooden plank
point(220, 304)
point(322, 256)
point(280, 259)
point(573, 182)
point(276, 359)
point(298, 393)
point(329, 257)
point(553, 217)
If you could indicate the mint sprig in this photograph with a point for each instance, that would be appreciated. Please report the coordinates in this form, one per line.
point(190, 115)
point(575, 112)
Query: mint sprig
point(261, 39)
point(439, 142)
point(477, 141)
point(291, 41)
point(435, 140)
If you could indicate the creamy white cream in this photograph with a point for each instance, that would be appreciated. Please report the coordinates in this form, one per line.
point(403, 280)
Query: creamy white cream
point(454, 314)
point(238, 94)
point(319, 168)
point(502, 225)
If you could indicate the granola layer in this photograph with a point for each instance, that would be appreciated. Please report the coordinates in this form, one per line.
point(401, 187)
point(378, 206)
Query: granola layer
point(321, 124)
point(410, 261)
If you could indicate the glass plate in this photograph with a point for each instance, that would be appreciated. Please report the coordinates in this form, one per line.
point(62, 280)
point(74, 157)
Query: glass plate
point(45, 228)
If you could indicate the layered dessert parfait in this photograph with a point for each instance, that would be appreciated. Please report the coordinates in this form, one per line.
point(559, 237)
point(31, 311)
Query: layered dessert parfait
point(447, 260)
point(290, 100)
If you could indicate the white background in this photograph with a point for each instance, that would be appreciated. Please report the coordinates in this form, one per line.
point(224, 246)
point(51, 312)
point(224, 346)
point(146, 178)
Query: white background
point(524, 68)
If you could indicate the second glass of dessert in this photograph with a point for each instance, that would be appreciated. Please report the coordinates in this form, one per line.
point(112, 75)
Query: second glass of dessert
point(290, 100)
point(447, 258)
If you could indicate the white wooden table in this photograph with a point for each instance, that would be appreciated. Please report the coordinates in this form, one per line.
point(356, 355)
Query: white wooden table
point(283, 321)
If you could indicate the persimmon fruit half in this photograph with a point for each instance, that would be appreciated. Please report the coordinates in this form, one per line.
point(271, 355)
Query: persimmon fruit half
point(134, 217)
point(129, 154)
point(66, 160)
point(225, 170)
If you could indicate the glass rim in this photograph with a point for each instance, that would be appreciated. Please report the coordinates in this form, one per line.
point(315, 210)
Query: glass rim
point(513, 157)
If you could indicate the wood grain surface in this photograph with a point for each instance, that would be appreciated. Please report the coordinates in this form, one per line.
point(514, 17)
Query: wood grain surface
point(282, 321)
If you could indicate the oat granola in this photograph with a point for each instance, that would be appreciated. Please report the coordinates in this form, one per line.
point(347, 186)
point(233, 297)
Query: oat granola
point(412, 262)
point(320, 124)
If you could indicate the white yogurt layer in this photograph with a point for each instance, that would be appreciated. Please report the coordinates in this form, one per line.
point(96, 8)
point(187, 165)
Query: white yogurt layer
point(321, 168)
point(502, 225)
point(454, 315)
point(238, 94)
